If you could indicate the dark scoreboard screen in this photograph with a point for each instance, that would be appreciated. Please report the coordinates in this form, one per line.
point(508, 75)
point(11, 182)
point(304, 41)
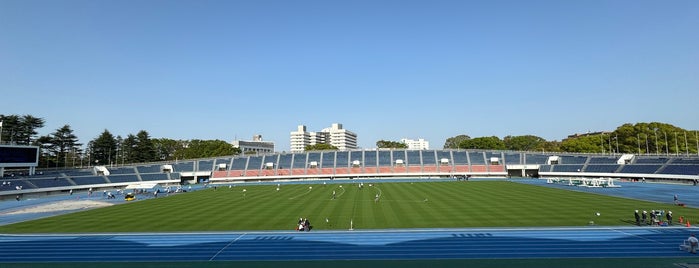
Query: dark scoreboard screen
point(18, 155)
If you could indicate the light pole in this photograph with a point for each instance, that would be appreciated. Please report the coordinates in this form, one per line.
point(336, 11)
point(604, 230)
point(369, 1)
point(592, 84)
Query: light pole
point(657, 149)
point(686, 147)
point(647, 148)
point(638, 141)
point(667, 152)
point(616, 137)
point(601, 142)
point(677, 147)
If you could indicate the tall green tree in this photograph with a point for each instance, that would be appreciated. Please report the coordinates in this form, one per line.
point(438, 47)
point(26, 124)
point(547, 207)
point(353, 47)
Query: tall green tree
point(103, 149)
point(523, 143)
point(489, 143)
point(20, 129)
point(128, 147)
point(209, 148)
point(453, 142)
point(144, 150)
point(59, 146)
point(584, 144)
point(167, 149)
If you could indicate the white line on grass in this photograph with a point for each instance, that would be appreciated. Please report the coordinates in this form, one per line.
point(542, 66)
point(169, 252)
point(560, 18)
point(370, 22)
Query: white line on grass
point(307, 192)
point(343, 192)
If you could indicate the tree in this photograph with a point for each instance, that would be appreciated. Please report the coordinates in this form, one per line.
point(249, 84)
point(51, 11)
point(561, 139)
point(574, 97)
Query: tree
point(209, 148)
point(144, 150)
point(391, 144)
point(103, 149)
point(59, 145)
point(584, 144)
point(167, 149)
point(453, 142)
point(490, 143)
point(320, 147)
point(523, 143)
point(128, 147)
point(20, 129)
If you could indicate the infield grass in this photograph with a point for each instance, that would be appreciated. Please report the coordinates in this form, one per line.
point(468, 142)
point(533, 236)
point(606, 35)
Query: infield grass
point(400, 205)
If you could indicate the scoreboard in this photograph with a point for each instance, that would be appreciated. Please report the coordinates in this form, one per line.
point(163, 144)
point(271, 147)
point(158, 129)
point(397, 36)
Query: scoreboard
point(19, 156)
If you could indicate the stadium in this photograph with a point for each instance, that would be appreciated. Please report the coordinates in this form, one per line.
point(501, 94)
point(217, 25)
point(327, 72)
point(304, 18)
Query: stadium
point(434, 229)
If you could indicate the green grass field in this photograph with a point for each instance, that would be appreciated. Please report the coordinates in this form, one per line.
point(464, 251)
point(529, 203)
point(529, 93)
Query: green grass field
point(401, 205)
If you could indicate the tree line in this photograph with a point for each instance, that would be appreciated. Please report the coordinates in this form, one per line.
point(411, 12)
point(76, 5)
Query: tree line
point(62, 149)
point(640, 138)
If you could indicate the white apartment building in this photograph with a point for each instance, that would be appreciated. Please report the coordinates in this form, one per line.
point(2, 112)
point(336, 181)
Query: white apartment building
point(335, 135)
point(420, 144)
point(299, 139)
point(255, 145)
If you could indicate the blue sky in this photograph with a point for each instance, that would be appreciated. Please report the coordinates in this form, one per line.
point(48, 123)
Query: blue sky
point(384, 69)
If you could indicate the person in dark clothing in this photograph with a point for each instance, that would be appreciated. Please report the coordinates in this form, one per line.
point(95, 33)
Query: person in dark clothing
point(644, 216)
point(668, 216)
point(638, 218)
point(306, 225)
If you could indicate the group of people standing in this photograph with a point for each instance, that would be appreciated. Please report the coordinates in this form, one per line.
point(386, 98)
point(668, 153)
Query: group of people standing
point(303, 225)
point(652, 218)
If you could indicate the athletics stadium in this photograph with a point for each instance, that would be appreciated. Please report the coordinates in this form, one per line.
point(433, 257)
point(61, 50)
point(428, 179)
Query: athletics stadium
point(408, 208)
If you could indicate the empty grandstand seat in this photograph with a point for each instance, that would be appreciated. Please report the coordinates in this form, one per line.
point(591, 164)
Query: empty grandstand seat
point(545, 168)
point(496, 168)
point(680, 169)
point(692, 161)
point(430, 168)
point(602, 160)
point(154, 177)
point(512, 159)
point(122, 178)
point(148, 169)
point(122, 170)
point(650, 160)
point(570, 159)
point(479, 168)
point(640, 169)
point(50, 182)
point(567, 168)
point(88, 180)
point(184, 166)
point(205, 165)
point(79, 172)
point(535, 159)
point(219, 174)
point(461, 168)
point(601, 168)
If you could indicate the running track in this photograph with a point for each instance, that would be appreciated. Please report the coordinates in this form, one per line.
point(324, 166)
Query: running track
point(520, 243)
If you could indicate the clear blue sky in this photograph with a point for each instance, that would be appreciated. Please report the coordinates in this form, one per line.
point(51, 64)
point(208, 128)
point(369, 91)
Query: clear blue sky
point(384, 69)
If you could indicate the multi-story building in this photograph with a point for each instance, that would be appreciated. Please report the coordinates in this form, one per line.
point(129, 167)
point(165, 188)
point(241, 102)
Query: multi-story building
point(256, 145)
point(335, 135)
point(420, 144)
point(299, 139)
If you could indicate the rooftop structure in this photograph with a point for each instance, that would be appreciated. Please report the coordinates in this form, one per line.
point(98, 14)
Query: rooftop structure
point(256, 145)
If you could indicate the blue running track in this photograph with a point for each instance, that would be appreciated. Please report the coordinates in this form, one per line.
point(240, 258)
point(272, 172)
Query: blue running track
point(519, 243)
